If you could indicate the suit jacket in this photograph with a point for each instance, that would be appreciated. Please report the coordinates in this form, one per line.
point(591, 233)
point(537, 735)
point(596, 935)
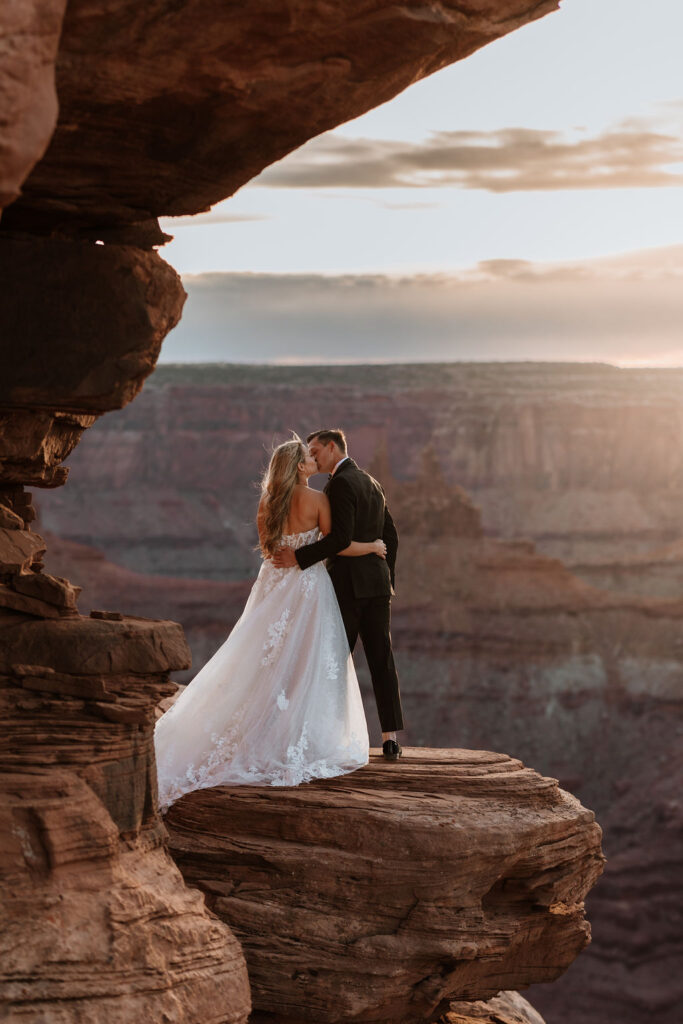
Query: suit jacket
point(359, 512)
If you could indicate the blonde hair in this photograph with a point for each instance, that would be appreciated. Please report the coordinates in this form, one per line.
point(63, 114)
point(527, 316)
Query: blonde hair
point(277, 488)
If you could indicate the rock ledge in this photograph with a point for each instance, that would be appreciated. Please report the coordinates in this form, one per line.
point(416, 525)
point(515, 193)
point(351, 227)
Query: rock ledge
point(385, 894)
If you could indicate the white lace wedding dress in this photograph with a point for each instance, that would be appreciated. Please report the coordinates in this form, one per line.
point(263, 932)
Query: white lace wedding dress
point(278, 704)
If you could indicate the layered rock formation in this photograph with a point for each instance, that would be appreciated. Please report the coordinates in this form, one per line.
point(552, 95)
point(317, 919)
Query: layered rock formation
point(381, 895)
point(166, 110)
point(162, 109)
point(96, 921)
point(507, 1008)
point(583, 460)
point(499, 647)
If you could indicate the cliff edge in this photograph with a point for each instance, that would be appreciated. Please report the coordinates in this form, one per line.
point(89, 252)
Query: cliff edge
point(383, 895)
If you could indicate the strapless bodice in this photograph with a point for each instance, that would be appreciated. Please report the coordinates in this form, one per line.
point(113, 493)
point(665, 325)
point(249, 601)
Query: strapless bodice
point(298, 540)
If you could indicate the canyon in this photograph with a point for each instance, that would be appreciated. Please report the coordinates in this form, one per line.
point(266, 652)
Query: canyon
point(500, 645)
point(113, 115)
point(584, 460)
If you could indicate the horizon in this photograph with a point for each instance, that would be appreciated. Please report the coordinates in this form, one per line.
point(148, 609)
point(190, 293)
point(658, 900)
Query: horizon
point(519, 223)
point(334, 364)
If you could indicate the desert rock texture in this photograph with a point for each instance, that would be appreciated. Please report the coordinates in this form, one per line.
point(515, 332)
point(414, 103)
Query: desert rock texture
point(113, 114)
point(168, 108)
point(499, 645)
point(97, 923)
point(505, 1008)
point(382, 895)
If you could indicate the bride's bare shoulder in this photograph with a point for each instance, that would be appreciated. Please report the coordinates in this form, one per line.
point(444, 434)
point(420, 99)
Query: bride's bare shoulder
point(306, 497)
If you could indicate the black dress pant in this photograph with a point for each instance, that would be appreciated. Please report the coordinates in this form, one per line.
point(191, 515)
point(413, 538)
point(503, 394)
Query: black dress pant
point(370, 618)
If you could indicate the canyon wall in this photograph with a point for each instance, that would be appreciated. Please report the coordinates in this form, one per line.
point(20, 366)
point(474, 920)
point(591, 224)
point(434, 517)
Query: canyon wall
point(115, 114)
point(499, 645)
point(584, 460)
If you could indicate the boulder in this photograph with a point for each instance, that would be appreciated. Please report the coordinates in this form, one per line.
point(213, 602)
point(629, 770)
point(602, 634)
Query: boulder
point(85, 646)
point(505, 1008)
point(28, 605)
point(385, 894)
point(128, 300)
point(53, 590)
point(19, 549)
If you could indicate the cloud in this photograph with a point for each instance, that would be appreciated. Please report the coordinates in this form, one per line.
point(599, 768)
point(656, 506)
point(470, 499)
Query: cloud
point(216, 216)
point(632, 155)
point(628, 308)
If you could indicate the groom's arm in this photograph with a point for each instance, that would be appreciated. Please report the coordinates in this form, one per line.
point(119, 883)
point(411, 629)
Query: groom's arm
point(343, 505)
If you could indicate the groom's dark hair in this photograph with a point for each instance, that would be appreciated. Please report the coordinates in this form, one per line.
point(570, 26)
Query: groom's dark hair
point(325, 436)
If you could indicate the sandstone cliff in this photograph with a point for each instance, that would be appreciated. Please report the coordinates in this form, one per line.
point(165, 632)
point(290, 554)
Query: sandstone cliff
point(499, 647)
point(96, 921)
point(382, 895)
point(582, 460)
point(118, 113)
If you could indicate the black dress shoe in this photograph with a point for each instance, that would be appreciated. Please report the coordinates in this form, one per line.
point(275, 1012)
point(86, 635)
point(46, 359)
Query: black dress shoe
point(391, 750)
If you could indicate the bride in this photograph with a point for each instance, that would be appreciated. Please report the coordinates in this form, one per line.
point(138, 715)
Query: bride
point(278, 704)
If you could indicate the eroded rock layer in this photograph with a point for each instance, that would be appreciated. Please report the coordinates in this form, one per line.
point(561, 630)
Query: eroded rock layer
point(29, 35)
point(82, 325)
point(383, 895)
point(505, 1008)
point(97, 923)
point(167, 108)
point(95, 929)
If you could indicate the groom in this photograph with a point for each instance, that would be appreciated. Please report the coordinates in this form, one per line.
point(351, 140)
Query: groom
point(364, 585)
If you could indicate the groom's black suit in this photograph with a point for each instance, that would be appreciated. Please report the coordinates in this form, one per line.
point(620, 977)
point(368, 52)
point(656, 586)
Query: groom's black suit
point(363, 585)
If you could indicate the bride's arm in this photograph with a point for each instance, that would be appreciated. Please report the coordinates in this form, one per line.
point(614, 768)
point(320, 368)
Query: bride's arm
point(356, 547)
point(359, 547)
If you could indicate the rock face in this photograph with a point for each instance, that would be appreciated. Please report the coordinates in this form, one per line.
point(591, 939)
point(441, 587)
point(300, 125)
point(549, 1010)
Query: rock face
point(499, 646)
point(29, 34)
point(507, 1008)
point(385, 894)
point(582, 460)
point(96, 929)
point(97, 924)
point(167, 110)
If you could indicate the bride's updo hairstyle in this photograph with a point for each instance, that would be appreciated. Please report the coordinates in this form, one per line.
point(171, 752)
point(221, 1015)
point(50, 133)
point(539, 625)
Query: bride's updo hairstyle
point(277, 488)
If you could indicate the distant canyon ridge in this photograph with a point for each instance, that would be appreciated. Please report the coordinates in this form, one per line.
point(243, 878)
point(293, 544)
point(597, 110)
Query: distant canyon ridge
point(539, 583)
point(584, 460)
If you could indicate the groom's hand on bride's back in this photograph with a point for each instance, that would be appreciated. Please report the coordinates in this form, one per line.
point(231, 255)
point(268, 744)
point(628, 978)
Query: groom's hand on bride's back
point(284, 558)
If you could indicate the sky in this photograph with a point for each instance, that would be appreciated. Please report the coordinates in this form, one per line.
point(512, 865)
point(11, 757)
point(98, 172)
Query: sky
point(525, 203)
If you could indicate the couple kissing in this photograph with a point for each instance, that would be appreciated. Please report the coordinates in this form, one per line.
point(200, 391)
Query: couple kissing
point(279, 703)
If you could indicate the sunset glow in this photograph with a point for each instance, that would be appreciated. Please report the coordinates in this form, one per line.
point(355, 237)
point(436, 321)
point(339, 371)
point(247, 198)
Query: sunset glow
point(560, 145)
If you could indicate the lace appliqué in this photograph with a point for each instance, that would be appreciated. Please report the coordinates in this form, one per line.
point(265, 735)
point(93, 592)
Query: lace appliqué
point(278, 704)
point(294, 772)
point(330, 660)
point(222, 750)
point(282, 701)
point(276, 634)
point(274, 579)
